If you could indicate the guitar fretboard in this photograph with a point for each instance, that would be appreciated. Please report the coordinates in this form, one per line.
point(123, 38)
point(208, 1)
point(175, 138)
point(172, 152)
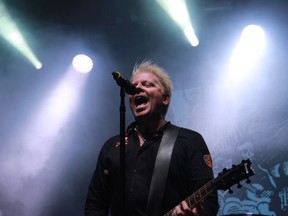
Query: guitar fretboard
point(197, 196)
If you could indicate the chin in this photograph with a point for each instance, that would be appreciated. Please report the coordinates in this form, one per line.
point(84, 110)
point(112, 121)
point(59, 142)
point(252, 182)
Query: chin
point(139, 116)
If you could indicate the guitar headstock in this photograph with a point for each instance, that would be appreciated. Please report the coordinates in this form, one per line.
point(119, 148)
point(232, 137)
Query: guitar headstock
point(229, 177)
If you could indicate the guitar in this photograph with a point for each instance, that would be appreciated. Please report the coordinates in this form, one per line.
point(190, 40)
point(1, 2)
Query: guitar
point(224, 181)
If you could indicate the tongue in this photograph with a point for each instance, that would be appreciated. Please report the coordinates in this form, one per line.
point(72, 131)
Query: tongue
point(141, 105)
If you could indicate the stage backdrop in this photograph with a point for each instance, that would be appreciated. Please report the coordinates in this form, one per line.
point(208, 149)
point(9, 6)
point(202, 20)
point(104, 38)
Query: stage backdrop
point(237, 128)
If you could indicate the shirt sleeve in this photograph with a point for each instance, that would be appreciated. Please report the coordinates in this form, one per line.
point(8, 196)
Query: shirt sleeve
point(98, 197)
point(199, 172)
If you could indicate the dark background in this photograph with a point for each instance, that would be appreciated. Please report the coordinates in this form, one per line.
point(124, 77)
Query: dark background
point(47, 174)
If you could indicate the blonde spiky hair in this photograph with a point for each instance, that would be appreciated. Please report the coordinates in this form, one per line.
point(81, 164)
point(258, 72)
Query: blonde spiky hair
point(150, 67)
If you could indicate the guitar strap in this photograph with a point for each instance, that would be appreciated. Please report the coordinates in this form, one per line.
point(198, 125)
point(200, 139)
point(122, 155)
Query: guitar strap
point(160, 172)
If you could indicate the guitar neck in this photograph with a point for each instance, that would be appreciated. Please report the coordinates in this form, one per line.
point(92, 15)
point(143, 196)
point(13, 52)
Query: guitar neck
point(224, 181)
point(197, 196)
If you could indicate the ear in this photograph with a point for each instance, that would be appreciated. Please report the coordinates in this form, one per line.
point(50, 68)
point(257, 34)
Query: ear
point(166, 100)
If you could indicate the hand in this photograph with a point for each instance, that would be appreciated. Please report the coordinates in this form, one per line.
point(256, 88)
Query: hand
point(184, 210)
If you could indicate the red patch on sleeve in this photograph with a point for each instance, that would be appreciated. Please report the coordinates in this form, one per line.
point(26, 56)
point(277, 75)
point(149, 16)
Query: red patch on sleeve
point(208, 160)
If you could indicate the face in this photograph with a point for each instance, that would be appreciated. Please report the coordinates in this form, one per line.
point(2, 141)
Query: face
point(148, 102)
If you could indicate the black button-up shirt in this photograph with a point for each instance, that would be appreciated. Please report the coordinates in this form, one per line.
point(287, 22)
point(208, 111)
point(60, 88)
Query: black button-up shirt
point(188, 171)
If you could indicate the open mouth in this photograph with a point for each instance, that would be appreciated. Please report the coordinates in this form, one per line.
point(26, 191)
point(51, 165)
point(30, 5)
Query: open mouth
point(140, 100)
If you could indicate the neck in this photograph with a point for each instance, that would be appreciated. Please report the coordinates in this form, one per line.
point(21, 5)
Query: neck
point(149, 128)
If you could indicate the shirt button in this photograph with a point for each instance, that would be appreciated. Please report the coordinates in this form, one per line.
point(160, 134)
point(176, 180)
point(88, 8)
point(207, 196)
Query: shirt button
point(131, 190)
point(134, 171)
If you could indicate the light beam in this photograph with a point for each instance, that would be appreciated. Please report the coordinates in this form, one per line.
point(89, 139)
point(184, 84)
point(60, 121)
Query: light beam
point(177, 10)
point(11, 33)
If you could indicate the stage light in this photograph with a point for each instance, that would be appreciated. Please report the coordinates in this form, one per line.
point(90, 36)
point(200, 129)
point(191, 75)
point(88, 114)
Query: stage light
point(82, 63)
point(177, 10)
point(249, 49)
point(243, 67)
point(11, 33)
point(191, 36)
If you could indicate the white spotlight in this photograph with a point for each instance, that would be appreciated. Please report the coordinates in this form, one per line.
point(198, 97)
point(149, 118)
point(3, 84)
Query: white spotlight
point(178, 11)
point(254, 37)
point(82, 63)
point(249, 49)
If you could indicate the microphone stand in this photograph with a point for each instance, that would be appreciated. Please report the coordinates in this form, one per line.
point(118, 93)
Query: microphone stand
point(122, 111)
point(130, 89)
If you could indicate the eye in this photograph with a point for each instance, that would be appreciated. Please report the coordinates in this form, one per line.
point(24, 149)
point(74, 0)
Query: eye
point(148, 84)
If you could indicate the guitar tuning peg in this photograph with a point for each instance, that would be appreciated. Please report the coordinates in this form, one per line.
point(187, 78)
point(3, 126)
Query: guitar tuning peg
point(239, 185)
point(248, 181)
point(230, 191)
point(225, 169)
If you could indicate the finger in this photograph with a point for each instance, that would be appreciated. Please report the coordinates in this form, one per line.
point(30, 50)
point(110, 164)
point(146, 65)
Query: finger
point(195, 211)
point(177, 210)
point(186, 208)
point(184, 205)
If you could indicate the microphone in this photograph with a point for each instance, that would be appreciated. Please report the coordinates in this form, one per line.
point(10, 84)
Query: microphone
point(124, 83)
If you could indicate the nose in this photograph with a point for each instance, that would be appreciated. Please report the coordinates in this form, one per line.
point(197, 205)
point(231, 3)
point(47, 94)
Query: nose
point(139, 87)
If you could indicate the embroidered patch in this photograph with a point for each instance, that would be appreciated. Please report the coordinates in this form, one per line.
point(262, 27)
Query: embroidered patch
point(126, 141)
point(208, 160)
